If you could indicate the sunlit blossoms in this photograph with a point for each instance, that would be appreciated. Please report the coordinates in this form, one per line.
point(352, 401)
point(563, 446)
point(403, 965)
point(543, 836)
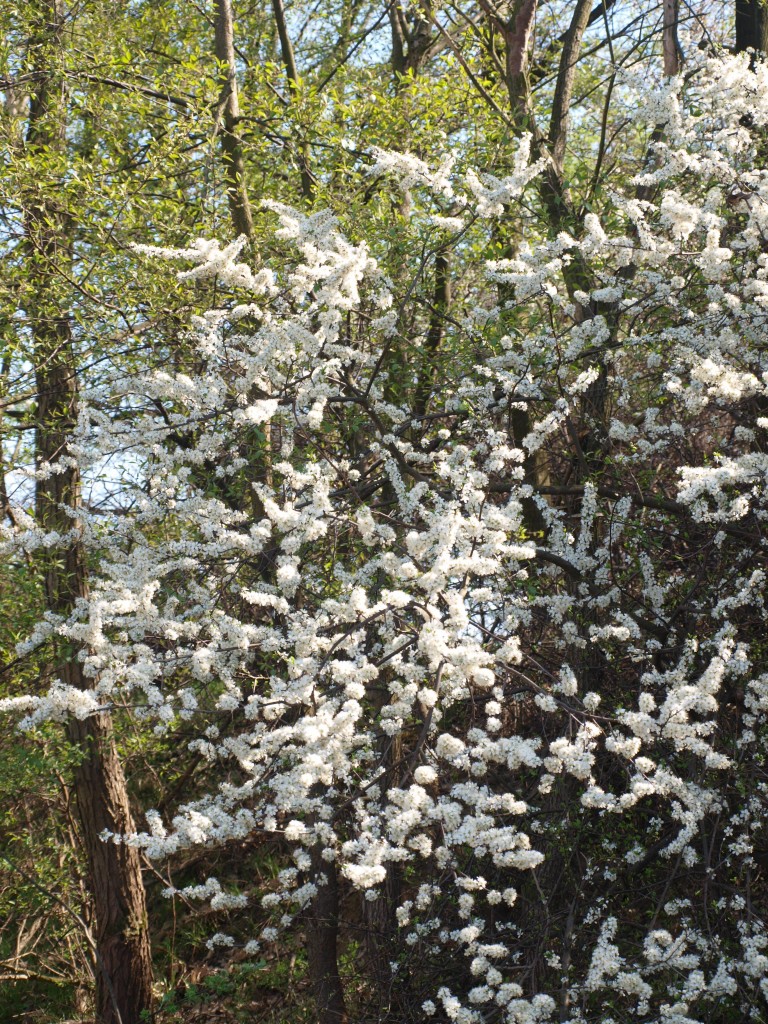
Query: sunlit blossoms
point(424, 642)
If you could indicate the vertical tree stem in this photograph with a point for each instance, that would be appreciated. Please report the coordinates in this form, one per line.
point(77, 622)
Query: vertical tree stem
point(231, 143)
point(124, 986)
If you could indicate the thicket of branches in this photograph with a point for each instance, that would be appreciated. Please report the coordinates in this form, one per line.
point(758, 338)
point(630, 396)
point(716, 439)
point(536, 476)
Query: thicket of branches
point(383, 487)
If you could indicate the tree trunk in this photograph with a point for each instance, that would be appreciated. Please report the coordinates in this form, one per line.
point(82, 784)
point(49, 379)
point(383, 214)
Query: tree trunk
point(294, 82)
point(124, 967)
point(237, 191)
point(752, 33)
point(123, 952)
point(670, 43)
point(751, 26)
point(231, 143)
point(322, 943)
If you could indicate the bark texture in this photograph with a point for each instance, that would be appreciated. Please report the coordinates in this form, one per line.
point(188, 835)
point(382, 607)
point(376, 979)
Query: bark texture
point(412, 39)
point(229, 112)
point(673, 58)
point(124, 966)
point(751, 26)
point(322, 944)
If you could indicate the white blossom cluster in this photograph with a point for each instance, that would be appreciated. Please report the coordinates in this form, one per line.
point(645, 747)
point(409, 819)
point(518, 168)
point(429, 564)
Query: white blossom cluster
point(390, 663)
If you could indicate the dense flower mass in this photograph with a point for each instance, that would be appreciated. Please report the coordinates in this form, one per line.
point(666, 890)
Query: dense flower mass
point(498, 688)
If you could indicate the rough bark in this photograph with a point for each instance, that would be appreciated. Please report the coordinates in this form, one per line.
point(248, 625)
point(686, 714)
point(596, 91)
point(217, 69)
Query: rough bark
point(517, 33)
point(397, 55)
point(751, 26)
point(322, 943)
point(231, 142)
point(673, 57)
point(124, 968)
point(124, 989)
point(519, 37)
point(414, 43)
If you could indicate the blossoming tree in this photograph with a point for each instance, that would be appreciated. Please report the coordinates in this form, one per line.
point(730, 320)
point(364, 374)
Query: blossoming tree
point(504, 689)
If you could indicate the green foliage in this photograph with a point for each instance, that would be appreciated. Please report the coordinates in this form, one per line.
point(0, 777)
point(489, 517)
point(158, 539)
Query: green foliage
point(139, 162)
